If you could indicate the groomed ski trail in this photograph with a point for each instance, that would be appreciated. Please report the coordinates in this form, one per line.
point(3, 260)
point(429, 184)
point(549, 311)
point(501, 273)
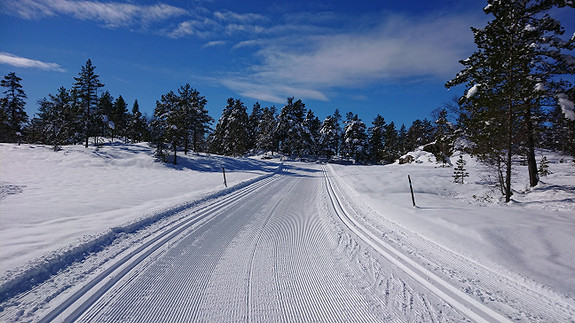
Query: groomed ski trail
point(292, 247)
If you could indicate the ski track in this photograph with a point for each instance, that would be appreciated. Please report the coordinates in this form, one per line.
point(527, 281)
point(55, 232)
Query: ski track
point(293, 247)
point(494, 294)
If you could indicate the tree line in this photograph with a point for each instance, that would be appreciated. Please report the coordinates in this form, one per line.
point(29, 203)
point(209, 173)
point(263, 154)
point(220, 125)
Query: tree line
point(517, 98)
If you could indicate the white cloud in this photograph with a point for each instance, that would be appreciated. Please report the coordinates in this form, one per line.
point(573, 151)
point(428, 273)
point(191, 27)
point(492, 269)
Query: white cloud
point(9, 59)
point(214, 43)
point(111, 14)
point(397, 48)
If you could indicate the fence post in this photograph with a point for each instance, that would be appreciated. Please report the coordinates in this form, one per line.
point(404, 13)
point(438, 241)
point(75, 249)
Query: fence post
point(411, 188)
point(224, 172)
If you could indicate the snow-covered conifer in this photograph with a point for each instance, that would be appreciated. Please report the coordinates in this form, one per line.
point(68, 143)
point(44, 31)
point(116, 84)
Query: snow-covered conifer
point(459, 172)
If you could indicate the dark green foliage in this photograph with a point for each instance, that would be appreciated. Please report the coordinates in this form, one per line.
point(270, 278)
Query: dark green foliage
point(311, 125)
point(291, 129)
point(354, 143)
point(509, 78)
point(420, 133)
point(12, 115)
point(231, 134)
point(330, 135)
point(138, 128)
point(376, 140)
point(86, 89)
point(265, 135)
point(196, 120)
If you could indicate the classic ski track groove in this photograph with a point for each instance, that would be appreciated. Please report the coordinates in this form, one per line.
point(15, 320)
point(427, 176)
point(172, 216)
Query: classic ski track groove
point(123, 266)
point(470, 307)
point(506, 292)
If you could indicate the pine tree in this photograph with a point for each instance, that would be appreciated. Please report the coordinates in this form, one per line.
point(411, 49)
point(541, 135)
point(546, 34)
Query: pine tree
point(354, 138)
point(391, 147)
point(119, 118)
point(513, 73)
point(444, 137)
point(376, 140)
point(266, 139)
point(137, 124)
point(86, 86)
point(13, 117)
point(168, 123)
point(459, 172)
point(253, 125)
point(196, 120)
point(104, 124)
point(231, 134)
point(51, 119)
point(329, 137)
point(290, 128)
point(420, 133)
point(311, 126)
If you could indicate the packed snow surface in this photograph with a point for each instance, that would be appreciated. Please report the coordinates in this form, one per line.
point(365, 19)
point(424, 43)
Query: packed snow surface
point(287, 241)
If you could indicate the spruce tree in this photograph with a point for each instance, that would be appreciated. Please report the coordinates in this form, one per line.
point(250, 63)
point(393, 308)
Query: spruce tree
point(119, 118)
point(137, 124)
point(104, 125)
point(459, 172)
point(196, 120)
point(266, 139)
point(329, 137)
point(290, 127)
point(311, 127)
point(231, 134)
point(253, 125)
point(86, 86)
point(13, 117)
point(544, 167)
point(355, 138)
point(391, 147)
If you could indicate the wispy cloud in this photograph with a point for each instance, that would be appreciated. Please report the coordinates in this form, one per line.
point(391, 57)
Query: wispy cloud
point(111, 14)
point(397, 48)
point(10, 59)
point(214, 43)
point(220, 22)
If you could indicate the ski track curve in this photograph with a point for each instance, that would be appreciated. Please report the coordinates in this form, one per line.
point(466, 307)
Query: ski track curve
point(482, 293)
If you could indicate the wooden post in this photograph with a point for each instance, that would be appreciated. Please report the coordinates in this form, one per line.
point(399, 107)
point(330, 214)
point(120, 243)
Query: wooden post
point(411, 188)
point(224, 172)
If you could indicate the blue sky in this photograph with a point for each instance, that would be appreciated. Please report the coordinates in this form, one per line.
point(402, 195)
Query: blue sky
point(388, 57)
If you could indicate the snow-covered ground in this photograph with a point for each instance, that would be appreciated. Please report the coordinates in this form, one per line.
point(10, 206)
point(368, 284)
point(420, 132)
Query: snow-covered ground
point(533, 236)
point(55, 200)
point(313, 242)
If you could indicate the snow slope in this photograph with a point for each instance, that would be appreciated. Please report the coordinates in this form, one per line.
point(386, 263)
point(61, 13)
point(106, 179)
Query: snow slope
point(56, 200)
point(533, 236)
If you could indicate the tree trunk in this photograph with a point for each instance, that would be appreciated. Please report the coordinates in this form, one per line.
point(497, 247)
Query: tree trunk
point(509, 152)
point(174, 145)
point(531, 162)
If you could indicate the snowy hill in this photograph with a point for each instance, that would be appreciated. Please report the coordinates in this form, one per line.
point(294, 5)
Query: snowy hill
point(52, 200)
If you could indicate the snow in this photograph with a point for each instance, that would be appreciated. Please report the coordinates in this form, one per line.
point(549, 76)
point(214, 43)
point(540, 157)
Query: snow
point(472, 91)
point(532, 237)
point(278, 245)
point(50, 200)
point(566, 105)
